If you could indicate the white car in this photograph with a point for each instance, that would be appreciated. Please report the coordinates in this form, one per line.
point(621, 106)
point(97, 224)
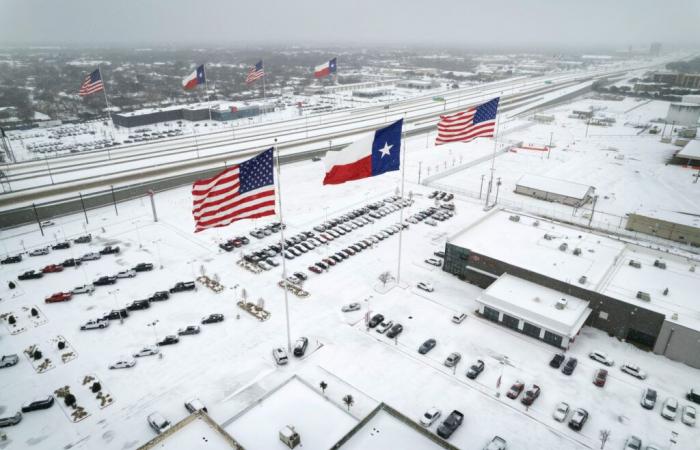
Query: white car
point(688, 415)
point(280, 356)
point(95, 324)
point(158, 422)
point(39, 252)
point(669, 410)
point(47, 223)
point(561, 411)
point(497, 443)
point(90, 256)
point(434, 262)
point(426, 286)
point(384, 326)
point(601, 358)
point(430, 222)
point(123, 364)
point(147, 351)
point(351, 307)
point(84, 289)
point(129, 273)
point(633, 370)
point(633, 443)
point(430, 417)
point(263, 265)
point(195, 405)
point(459, 317)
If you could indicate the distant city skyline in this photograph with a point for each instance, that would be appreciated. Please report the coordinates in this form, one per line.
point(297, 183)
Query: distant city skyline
point(451, 23)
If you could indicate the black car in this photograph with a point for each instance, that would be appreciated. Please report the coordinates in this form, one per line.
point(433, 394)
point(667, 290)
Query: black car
point(578, 419)
point(569, 367)
point(182, 286)
point(475, 369)
point(11, 420)
point(450, 424)
point(30, 275)
point(189, 330)
point(557, 360)
point(213, 318)
point(376, 320)
point(159, 296)
point(83, 239)
point(143, 267)
point(427, 346)
point(109, 250)
point(227, 246)
point(138, 304)
point(103, 281)
point(394, 331)
point(42, 403)
point(12, 259)
point(71, 262)
point(169, 340)
point(116, 314)
point(321, 265)
point(301, 276)
point(61, 245)
point(300, 346)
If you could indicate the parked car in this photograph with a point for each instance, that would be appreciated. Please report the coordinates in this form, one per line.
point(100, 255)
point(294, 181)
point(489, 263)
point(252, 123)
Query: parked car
point(194, 405)
point(452, 359)
point(475, 369)
point(109, 250)
point(116, 314)
point(601, 358)
point(39, 252)
point(578, 419)
point(429, 417)
point(648, 398)
point(426, 286)
point(52, 268)
point(71, 262)
point(561, 411)
point(147, 351)
point(137, 305)
point(159, 296)
point(280, 356)
point(557, 360)
point(38, 403)
point(190, 329)
point(375, 320)
point(159, 423)
point(123, 364)
point(570, 366)
point(688, 415)
point(633, 370)
point(315, 269)
point(143, 267)
point(92, 256)
point(11, 259)
point(169, 340)
point(95, 324)
point(182, 286)
point(105, 280)
point(450, 424)
point(213, 318)
point(633, 443)
point(669, 409)
point(129, 273)
point(600, 377)
point(426, 346)
point(434, 262)
point(459, 318)
point(30, 275)
point(8, 360)
point(300, 346)
point(11, 420)
point(530, 395)
point(385, 326)
point(84, 289)
point(351, 307)
point(83, 239)
point(515, 390)
point(693, 395)
point(59, 297)
point(394, 331)
point(497, 443)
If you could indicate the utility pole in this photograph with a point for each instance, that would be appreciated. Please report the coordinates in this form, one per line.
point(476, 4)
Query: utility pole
point(153, 205)
point(481, 187)
point(420, 166)
point(549, 148)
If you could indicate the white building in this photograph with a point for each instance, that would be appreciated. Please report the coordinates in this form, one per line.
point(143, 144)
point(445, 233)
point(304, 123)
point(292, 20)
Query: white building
point(683, 114)
point(554, 190)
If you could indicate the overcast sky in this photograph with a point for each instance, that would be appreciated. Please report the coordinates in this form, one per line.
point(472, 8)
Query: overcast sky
point(462, 23)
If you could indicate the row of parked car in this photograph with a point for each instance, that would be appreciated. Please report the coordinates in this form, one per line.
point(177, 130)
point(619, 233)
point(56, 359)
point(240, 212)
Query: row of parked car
point(47, 249)
point(431, 214)
point(441, 195)
point(451, 423)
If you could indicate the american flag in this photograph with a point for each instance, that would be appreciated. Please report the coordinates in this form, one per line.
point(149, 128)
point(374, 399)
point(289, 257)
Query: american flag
point(255, 73)
point(243, 191)
point(464, 126)
point(93, 83)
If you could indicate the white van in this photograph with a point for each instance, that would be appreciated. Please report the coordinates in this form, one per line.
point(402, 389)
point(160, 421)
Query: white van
point(280, 356)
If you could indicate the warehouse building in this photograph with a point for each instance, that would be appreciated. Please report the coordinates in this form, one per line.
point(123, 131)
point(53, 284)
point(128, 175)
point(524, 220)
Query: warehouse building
point(690, 153)
point(554, 190)
point(643, 296)
point(193, 113)
point(686, 114)
point(675, 226)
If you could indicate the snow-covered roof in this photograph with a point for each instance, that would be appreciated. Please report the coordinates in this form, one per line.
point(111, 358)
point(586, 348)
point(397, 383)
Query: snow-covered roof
point(554, 185)
point(691, 219)
point(691, 150)
point(190, 434)
point(536, 304)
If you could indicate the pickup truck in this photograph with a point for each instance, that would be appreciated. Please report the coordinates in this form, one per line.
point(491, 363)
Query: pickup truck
point(182, 286)
point(8, 360)
point(450, 424)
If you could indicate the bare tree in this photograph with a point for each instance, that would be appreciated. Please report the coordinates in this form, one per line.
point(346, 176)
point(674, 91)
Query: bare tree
point(323, 386)
point(385, 277)
point(349, 401)
point(604, 435)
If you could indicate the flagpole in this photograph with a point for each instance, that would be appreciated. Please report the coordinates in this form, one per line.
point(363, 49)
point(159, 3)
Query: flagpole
point(493, 163)
point(264, 97)
point(284, 264)
point(104, 91)
point(206, 86)
point(403, 183)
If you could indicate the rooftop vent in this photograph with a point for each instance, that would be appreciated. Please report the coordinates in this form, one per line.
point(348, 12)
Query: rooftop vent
point(674, 316)
point(643, 296)
point(514, 218)
point(577, 251)
point(665, 291)
point(548, 237)
point(635, 264)
point(583, 279)
point(561, 303)
point(563, 246)
point(536, 223)
point(659, 264)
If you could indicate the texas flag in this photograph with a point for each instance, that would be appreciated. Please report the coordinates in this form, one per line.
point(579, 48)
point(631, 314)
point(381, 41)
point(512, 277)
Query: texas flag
point(325, 69)
point(369, 156)
point(194, 79)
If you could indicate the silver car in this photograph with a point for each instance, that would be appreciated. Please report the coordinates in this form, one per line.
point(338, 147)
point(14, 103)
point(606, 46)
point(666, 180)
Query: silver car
point(11, 420)
point(351, 307)
point(669, 410)
point(159, 423)
point(453, 359)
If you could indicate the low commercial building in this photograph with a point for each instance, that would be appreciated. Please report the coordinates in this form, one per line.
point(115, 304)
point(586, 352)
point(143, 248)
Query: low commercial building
point(686, 114)
point(190, 433)
point(221, 111)
point(418, 84)
point(690, 153)
point(554, 190)
point(675, 226)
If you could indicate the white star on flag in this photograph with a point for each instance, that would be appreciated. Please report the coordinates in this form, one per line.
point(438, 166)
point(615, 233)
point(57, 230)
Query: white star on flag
point(385, 150)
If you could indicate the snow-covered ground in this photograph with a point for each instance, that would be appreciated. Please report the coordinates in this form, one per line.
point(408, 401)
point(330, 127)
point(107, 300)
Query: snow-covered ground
point(229, 365)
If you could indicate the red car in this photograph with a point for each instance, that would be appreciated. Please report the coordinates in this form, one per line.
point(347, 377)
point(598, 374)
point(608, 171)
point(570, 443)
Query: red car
point(329, 261)
point(52, 268)
point(515, 390)
point(59, 297)
point(315, 269)
point(601, 376)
